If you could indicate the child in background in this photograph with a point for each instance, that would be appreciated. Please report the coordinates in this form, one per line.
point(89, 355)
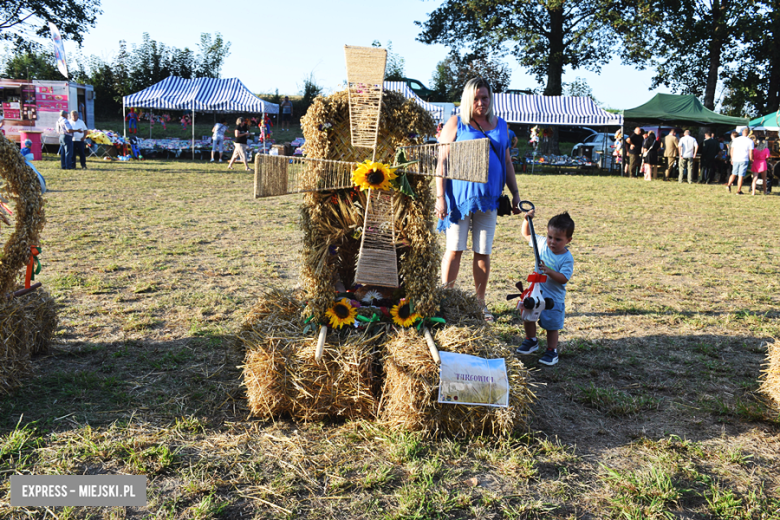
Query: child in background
point(558, 264)
point(27, 150)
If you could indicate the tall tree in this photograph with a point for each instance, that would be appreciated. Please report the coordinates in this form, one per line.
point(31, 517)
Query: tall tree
point(752, 73)
point(545, 36)
point(394, 68)
point(22, 20)
point(683, 40)
point(212, 52)
point(452, 73)
point(35, 62)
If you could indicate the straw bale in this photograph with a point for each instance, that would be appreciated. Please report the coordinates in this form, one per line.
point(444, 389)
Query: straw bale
point(26, 326)
point(460, 307)
point(410, 393)
point(770, 379)
point(282, 377)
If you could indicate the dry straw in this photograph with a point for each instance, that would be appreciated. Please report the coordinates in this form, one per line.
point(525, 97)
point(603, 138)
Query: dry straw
point(770, 380)
point(26, 326)
point(332, 221)
point(27, 322)
point(411, 388)
point(21, 187)
point(282, 377)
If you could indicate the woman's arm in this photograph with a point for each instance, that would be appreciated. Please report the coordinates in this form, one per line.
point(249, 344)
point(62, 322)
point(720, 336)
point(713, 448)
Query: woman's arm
point(511, 180)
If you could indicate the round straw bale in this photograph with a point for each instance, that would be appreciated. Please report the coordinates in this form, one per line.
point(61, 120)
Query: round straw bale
point(770, 380)
point(410, 392)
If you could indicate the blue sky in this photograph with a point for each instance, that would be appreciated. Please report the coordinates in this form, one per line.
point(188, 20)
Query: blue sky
point(277, 44)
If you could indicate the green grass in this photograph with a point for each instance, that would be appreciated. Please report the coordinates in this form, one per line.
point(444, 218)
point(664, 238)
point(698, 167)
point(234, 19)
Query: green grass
point(652, 411)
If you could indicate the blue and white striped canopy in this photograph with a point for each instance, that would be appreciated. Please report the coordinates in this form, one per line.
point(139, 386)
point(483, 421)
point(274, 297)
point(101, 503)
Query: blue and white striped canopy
point(201, 95)
point(437, 112)
point(552, 110)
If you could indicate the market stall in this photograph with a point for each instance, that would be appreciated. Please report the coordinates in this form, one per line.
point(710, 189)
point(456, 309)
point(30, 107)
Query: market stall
point(210, 95)
point(436, 112)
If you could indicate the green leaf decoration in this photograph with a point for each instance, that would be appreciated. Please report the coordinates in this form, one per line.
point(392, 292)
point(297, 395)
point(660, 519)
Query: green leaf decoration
point(401, 183)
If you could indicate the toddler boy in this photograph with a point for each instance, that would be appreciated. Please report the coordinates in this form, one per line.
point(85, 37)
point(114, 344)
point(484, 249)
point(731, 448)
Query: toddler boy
point(558, 264)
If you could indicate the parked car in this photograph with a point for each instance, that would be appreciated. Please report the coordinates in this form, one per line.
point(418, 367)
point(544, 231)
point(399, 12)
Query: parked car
point(418, 88)
point(600, 142)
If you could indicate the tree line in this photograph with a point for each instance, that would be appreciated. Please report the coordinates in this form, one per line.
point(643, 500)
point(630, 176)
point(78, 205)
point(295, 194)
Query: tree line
point(693, 46)
point(132, 68)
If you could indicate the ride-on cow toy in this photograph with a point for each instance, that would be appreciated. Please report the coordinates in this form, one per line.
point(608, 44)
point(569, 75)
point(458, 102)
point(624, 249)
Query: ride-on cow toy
point(532, 301)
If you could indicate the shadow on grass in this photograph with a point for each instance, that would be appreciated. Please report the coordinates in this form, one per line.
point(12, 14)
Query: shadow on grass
point(604, 393)
point(99, 383)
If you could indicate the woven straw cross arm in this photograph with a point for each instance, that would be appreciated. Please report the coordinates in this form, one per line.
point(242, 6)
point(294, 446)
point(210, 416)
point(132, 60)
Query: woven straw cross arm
point(279, 175)
point(461, 160)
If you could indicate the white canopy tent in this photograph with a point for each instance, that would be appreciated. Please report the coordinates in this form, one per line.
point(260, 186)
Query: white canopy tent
point(198, 95)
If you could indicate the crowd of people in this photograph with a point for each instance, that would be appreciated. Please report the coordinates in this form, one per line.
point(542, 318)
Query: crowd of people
point(643, 153)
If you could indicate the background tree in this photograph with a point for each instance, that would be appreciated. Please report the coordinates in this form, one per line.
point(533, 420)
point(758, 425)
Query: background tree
point(394, 69)
point(752, 74)
point(452, 73)
point(22, 20)
point(579, 87)
point(33, 62)
point(683, 40)
point(212, 52)
point(545, 36)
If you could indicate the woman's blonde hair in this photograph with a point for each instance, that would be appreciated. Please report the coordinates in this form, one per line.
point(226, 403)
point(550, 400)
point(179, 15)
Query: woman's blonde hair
point(467, 99)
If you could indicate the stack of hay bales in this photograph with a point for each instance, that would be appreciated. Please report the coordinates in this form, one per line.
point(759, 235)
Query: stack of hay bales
point(770, 384)
point(282, 377)
point(386, 374)
point(26, 322)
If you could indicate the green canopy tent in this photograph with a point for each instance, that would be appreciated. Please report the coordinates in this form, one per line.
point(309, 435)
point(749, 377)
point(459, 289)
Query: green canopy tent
point(769, 121)
point(678, 109)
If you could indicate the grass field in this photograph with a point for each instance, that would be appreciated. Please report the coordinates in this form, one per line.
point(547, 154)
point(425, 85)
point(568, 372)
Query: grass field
point(652, 411)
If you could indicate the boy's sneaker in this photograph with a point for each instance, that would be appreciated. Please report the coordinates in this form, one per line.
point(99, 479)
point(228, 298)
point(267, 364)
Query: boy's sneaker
point(529, 346)
point(549, 358)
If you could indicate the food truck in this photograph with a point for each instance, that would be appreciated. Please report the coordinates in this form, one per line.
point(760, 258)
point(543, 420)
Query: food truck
point(32, 107)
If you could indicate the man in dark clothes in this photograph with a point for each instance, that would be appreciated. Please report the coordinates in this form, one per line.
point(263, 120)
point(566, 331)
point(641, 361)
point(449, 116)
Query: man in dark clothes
point(709, 151)
point(634, 152)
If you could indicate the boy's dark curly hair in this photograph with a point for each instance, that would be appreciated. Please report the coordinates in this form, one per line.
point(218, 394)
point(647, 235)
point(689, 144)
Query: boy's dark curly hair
point(562, 222)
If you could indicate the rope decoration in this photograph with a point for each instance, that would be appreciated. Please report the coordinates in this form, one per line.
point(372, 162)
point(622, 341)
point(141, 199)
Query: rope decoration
point(22, 188)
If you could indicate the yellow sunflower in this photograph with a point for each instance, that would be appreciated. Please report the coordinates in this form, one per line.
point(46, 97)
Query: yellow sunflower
point(373, 175)
point(342, 313)
point(402, 314)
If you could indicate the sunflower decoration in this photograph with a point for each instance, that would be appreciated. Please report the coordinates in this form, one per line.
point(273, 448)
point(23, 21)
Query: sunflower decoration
point(402, 314)
point(373, 175)
point(342, 313)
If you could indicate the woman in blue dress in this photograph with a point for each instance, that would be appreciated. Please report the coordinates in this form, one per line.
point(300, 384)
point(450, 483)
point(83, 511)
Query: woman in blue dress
point(463, 205)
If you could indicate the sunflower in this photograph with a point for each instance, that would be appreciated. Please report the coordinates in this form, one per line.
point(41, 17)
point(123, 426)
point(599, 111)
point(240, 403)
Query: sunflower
point(342, 313)
point(402, 314)
point(373, 175)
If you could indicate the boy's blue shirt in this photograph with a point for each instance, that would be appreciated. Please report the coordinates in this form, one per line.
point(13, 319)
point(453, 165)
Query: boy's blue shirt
point(563, 263)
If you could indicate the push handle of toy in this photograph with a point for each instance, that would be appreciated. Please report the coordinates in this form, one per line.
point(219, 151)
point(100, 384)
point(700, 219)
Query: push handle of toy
point(524, 203)
point(527, 205)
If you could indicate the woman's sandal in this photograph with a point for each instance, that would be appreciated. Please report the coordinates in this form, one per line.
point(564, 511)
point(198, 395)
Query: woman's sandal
point(487, 315)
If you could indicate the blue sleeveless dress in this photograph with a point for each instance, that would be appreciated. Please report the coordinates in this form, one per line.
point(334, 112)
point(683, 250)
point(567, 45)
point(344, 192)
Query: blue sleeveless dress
point(465, 197)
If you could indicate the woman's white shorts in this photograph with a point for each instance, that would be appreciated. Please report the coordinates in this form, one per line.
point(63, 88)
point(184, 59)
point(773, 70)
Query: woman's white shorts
point(483, 229)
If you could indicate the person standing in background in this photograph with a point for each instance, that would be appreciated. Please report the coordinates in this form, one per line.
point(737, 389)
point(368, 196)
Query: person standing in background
point(670, 151)
point(65, 131)
point(741, 152)
point(79, 134)
point(709, 151)
point(688, 149)
point(286, 107)
point(634, 150)
point(650, 156)
point(759, 166)
point(218, 138)
point(239, 150)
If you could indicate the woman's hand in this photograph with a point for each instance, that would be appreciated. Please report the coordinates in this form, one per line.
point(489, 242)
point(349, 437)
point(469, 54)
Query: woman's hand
point(516, 203)
point(441, 208)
